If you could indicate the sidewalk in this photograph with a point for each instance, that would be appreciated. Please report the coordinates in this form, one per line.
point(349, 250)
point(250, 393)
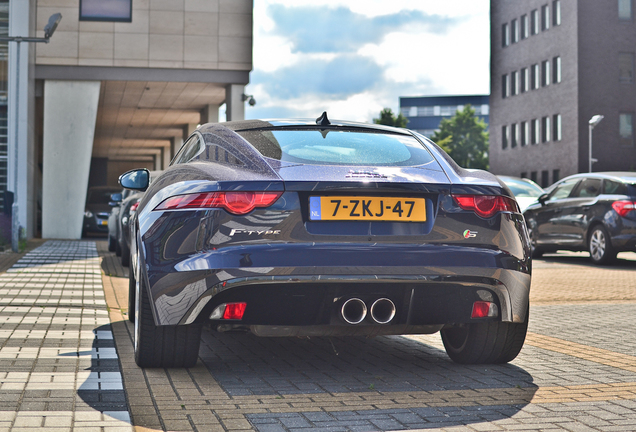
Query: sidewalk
point(58, 364)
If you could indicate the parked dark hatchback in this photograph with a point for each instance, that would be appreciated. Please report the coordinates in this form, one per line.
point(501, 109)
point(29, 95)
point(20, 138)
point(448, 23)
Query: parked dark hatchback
point(594, 212)
point(324, 228)
point(97, 209)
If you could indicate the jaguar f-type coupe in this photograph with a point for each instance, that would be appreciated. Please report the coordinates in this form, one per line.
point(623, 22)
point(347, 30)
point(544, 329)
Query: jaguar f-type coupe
point(324, 228)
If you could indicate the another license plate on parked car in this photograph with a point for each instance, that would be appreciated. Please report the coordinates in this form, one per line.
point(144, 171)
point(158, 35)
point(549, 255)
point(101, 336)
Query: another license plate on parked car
point(367, 208)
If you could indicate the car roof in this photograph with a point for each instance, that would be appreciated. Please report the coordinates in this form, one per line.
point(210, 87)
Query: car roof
point(624, 176)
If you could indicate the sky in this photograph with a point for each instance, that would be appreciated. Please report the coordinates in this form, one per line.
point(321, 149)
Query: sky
point(352, 58)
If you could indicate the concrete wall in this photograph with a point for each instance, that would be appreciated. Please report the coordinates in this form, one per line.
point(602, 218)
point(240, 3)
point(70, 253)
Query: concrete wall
point(70, 110)
point(190, 34)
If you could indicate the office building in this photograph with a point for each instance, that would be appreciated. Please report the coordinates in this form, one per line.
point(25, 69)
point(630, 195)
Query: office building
point(425, 113)
point(554, 65)
point(118, 86)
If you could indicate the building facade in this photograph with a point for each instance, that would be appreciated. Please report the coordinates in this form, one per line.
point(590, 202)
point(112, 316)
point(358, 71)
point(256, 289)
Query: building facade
point(119, 85)
point(554, 65)
point(425, 113)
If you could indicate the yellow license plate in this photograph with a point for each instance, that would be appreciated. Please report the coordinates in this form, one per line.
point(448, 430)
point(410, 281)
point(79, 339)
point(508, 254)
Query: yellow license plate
point(367, 209)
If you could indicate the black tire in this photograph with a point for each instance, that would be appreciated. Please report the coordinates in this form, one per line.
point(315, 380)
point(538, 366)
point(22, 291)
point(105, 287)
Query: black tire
point(162, 346)
point(487, 342)
point(125, 254)
point(117, 248)
point(132, 283)
point(112, 244)
point(599, 246)
point(535, 251)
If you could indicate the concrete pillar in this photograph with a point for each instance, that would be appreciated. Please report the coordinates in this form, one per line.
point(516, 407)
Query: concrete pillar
point(21, 167)
point(70, 112)
point(234, 102)
point(210, 114)
point(175, 145)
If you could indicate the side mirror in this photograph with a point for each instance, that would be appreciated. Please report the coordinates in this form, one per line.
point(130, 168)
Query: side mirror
point(137, 179)
point(543, 198)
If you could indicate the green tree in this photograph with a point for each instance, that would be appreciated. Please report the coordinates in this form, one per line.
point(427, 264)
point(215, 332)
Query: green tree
point(387, 118)
point(464, 138)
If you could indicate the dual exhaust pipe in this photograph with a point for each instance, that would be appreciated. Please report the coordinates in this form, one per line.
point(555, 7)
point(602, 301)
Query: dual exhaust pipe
point(354, 311)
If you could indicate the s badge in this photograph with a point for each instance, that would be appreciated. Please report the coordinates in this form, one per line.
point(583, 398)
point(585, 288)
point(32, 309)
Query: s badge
point(470, 234)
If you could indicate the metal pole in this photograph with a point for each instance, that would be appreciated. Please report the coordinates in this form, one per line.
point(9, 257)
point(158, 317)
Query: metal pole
point(590, 127)
point(15, 223)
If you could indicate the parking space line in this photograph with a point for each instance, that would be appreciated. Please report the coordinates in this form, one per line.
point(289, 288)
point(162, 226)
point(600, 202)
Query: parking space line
point(585, 352)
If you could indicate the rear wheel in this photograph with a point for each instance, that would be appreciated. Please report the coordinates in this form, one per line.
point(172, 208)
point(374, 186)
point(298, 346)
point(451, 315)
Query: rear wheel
point(600, 247)
point(487, 342)
point(112, 244)
point(161, 346)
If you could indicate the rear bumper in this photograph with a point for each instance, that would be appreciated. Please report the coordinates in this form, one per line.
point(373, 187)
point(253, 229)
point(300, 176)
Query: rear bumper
point(309, 297)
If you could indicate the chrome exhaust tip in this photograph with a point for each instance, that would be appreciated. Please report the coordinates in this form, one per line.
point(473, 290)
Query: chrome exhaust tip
point(354, 311)
point(382, 310)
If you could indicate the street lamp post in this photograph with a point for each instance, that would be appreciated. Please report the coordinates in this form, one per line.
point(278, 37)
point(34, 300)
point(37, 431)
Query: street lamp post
point(49, 29)
point(592, 123)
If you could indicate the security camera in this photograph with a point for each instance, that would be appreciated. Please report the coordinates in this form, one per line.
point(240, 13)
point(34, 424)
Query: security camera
point(249, 98)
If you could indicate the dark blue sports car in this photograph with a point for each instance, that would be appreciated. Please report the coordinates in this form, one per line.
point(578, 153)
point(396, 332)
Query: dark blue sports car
point(325, 228)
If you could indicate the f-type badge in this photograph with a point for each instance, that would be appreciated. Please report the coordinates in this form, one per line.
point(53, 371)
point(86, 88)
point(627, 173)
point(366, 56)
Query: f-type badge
point(470, 234)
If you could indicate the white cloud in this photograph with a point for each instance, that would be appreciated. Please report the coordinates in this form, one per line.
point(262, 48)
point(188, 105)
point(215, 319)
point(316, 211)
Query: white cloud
point(416, 62)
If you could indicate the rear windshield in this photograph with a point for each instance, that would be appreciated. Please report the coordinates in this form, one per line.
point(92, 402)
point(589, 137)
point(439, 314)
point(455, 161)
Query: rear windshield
point(337, 147)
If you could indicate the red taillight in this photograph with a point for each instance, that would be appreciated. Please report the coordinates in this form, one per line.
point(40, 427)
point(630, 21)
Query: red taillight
point(234, 311)
point(486, 205)
point(623, 207)
point(238, 203)
point(484, 309)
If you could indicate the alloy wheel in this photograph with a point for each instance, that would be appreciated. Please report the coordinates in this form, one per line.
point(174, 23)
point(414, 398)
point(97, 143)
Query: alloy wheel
point(597, 245)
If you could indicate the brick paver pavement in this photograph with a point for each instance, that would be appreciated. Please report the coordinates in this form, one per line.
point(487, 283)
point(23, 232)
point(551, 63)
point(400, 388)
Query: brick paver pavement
point(577, 371)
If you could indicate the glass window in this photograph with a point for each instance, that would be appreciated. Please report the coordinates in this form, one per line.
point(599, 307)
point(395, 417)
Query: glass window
point(514, 31)
point(626, 67)
point(563, 190)
point(611, 187)
point(534, 131)
point(524, 26)
point(545, 73)
point(555, 175)
point(625, 9)
point(525, 134)
point(534, 22)
point(448, 110)
point(190, 149)
point(556, 70)
point(525, 80)
point(337, 147)
point(545, 129)
point(505, 35)
point(545, 178)
point(485, 109)
point(105, 10)
point(504, 137)
point(626, 129)
point(504, 86)
point(556, 125)
point(590, 187)
point(514, 135)
point(425, 111)
point(556, 12)
point(545, 17)
point(514, 83)
point(533, 176)
point(536, 77)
